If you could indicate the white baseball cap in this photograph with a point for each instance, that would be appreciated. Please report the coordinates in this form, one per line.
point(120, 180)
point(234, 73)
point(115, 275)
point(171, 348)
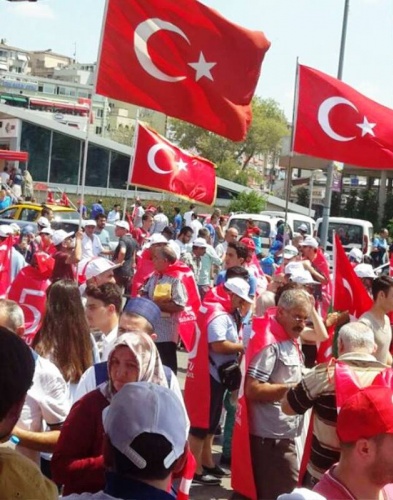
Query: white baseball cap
point(309, 241)
point(43, 222)
point(293, 268)
point(365, 271)
point(290, 251)
point(239, 287)
point(199, 242)
point(144, 407)
point(155, 239)
point(356, 254)
point(123, 224)
point(303, 227)
point(303, 278)
point(90, 222)
point(92, 267)
point(59, 236)
point(47, 230)
point(5, 230)
point(15, 228)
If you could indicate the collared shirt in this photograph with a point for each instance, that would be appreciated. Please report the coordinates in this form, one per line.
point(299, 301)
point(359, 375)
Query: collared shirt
point(222, 328)
point(91, 247)
point(113, 216)
point(221, 249)
point(194, 263)
point(208, 260)
point(168, 327)
point(107, 342)
point(279, 363)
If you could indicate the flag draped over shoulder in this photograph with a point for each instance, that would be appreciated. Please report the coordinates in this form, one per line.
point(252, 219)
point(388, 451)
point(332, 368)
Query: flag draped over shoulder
point(266, 331)
point(183, 59)
point(161, 165)
point(336, 122)
point(349, 292)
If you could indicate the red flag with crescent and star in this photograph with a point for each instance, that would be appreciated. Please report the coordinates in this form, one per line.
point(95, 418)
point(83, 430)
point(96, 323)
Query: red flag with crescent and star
point(159, 164)
point(183, 59)
point(336, 122)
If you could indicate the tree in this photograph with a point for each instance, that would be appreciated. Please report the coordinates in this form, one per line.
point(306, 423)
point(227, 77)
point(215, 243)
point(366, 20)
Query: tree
point(268, 127)
point(248, 202)
point(303, 196)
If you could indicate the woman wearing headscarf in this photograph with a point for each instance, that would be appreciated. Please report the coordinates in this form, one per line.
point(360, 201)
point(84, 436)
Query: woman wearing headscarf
point(78, 461)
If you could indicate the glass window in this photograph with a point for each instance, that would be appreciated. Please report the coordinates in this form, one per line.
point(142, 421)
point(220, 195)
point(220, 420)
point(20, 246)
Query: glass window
point(8, 214)
point(36, 140)
point(49, 88)
point(28, 214)
point(97, 166)
point(65, 159)
point(119, 168)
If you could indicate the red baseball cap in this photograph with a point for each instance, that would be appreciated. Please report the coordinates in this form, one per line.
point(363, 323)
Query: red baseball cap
point(247, 242)
point(366, 414)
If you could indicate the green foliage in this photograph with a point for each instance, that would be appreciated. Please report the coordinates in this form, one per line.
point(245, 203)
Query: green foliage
point(303, 196)
point(387, 220)
point(251, 202)
point(268, 127)
point(335, 207)
point(368, 206)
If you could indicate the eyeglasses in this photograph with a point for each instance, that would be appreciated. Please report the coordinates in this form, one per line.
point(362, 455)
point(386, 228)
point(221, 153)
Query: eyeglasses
point(298, 319)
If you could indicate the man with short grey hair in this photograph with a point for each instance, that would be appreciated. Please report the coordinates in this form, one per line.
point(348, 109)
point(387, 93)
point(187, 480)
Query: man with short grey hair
point(319, 388)
point(231, 234)
point(271, 372)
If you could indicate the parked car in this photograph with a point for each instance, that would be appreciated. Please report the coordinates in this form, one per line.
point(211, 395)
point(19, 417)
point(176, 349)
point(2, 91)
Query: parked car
point(30, 212)
point(294, 220)
point(264, 222)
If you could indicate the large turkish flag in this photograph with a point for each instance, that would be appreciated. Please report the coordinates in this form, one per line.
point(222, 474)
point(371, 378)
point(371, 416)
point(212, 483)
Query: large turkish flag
point(336, 122)
point(183, 59)
point(159, 164)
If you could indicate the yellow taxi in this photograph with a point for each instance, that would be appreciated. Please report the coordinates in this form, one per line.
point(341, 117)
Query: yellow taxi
point(30, 212)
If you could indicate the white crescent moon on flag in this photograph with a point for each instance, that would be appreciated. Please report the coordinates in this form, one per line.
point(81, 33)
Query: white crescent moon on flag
point(348, 287)
point(151, 159)
point(323, 117)
point(142, 34)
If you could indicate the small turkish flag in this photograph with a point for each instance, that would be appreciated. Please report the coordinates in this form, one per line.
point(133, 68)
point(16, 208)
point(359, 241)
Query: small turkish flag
point(158, 164)
point(183, 59)
point(336, 122)
point(349, 292)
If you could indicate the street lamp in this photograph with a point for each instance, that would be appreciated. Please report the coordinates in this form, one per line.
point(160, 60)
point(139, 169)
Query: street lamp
point(313, 175)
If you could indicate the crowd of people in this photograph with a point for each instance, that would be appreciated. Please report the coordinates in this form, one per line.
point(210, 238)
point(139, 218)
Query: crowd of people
point(89, 347)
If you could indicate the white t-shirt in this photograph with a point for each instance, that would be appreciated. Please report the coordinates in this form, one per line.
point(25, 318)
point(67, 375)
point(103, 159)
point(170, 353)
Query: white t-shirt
point(187, 217)
point(195, 226)
point(221, 249)
point(47, 401)
point(160, 221)
point(4, 176)
point(91, 247)
point(113, 216)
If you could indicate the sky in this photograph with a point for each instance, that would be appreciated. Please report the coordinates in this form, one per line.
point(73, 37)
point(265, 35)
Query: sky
point(306, 29)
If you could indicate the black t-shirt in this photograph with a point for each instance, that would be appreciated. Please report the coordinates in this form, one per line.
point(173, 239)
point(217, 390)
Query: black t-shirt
point(130, 246)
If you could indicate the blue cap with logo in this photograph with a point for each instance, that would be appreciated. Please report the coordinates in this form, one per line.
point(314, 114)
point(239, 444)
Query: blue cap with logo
point(145, 308)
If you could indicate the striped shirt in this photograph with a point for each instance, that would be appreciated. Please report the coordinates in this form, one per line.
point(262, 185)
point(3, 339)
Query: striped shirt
point(317, 390)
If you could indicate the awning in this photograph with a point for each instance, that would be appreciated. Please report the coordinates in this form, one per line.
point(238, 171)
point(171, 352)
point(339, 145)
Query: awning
point(13, 155)
point(21, 57)
point(59, 105)
point(3, 67)
point(13, 98)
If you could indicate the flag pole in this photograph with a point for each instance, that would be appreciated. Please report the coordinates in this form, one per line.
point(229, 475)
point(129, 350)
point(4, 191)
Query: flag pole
point(330, 169)
point(289, 169)
point(132, 160)
point(90, 115)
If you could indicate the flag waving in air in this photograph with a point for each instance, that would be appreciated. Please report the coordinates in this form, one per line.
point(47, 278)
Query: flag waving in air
point(158, 164)
point(349, 291)
point(183, 59)
point(336, 122)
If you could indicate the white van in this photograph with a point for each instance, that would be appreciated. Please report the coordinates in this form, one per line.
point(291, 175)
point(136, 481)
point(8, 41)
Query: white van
point(353, 233)
point(294, 221)
point(265, 223)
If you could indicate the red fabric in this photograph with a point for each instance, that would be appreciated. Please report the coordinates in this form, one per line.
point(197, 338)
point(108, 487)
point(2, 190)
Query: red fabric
point(144, 269)
point(5, 265)
point(186, 476)
point(187, 317)
point(266, 331)
point(349, 292)
point(29, 290)
point(161, 165)
point(139, 234)
point(7, 155)
point(325, 350)
point(64, 200)
point(50, 199)
point(329, 113)
point(218, 100)
point(77, 461)
point(215, 303)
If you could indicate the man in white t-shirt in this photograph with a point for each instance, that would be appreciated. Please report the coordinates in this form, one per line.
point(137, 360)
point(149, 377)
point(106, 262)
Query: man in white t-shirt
point(47, 402)
point(231, 235)
point(195, 225)
point(114, 215)
point(138, 213)
point(187, 215)
point(91, 243)
point(103, 307)
point(160, 221)
point(4, 176)
point(376, 318)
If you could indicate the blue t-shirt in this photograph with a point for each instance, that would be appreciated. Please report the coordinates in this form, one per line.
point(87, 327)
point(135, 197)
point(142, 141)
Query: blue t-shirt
point(96, 209)
point(177, 223)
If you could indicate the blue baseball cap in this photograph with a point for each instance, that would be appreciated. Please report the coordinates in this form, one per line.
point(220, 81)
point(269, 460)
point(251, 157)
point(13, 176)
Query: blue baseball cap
point(145, 308)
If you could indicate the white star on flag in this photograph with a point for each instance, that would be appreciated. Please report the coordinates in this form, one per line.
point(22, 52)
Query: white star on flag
point(202, 67)
point(367, 127)
point(182, 165)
